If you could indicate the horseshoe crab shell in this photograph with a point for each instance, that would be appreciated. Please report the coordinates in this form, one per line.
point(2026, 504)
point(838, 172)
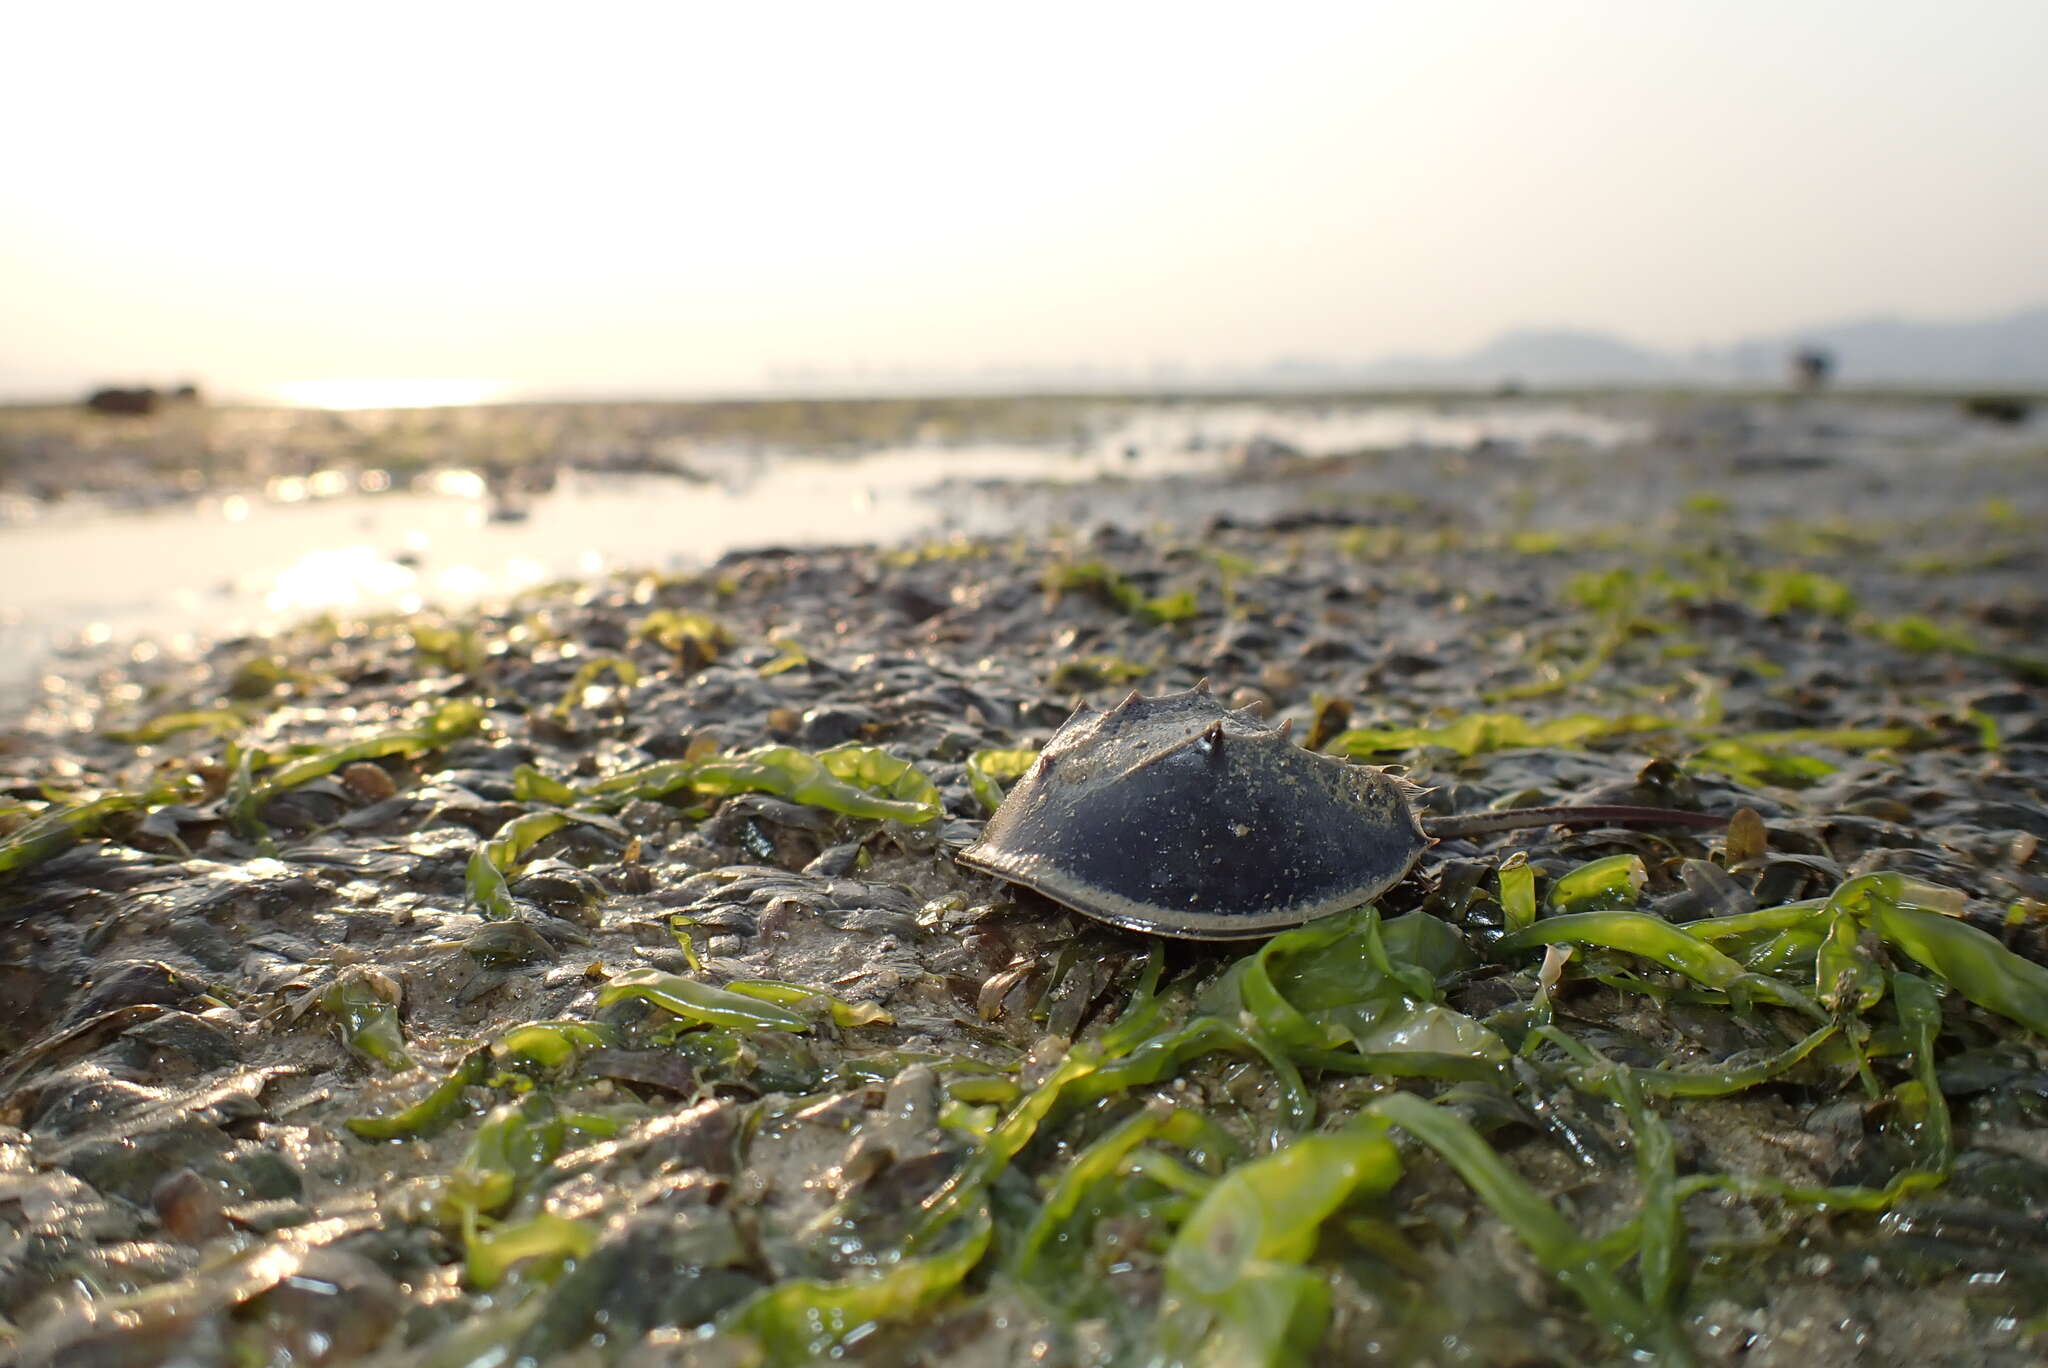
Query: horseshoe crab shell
point(1178, 817)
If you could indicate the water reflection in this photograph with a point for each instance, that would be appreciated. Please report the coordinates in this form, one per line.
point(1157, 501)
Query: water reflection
point(344, 577)
point(331, 540)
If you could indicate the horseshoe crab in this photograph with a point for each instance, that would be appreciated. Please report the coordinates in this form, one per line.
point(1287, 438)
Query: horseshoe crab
point(1178, 817)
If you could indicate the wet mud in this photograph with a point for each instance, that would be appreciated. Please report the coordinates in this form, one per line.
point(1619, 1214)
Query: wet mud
point(590, 979)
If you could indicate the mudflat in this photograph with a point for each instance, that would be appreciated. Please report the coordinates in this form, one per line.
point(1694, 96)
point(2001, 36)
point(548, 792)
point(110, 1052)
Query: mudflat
point(588, 978)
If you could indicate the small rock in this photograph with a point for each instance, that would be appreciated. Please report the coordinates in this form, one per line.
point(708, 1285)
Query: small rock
point(1256, 700)
point(1328, 648)
point(334, 1307)
point(832, 726)
point(371, 783)
point(189, 1207)
point(1277, 678)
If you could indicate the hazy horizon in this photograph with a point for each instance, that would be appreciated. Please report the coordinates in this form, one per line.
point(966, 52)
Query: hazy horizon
point(657, 201)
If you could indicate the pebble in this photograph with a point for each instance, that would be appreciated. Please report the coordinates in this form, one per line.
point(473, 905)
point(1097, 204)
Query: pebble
point(371, 783)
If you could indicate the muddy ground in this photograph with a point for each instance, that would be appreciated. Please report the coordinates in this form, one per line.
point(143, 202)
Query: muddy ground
point(1834, 626)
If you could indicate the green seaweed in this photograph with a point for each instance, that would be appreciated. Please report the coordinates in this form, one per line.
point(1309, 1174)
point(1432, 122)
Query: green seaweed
point(1236, 1288)
point(1661, 1248)
point(363, 1005)
point(1135, 1058)
point(857, 781)
point(789, 655)
point(1911, 917)
point(494, 861)
point(1765, 921)
point(1651, 938)
point(1097, 1168)
point(552, 1240)
point(968, 1186)
point(1081, 674)
point(1479, 733)
point(248, 792)
point(1838, 738)
point(815, 1000)
point(870, 769)
point(1921, 635)
point(1100, 581)
point(989, 771)
point(511, 1148)
point(1614, 883)
point(458, 648)
point(1845, 976)
point(1760, 766)
point(435, 1110)
point(60, 826)
point(1919, 1010)
point(1922, 1108)
point(620, 668)
point(700, 1002)
point(1169, 1172)
point(1780, 591)
point(1778, 757)
point(804, 1320)
point(1517, 892)
point(679, 927)
point(550, 1045)
point(1358, 995)
point(219, 721)
point(1230, 568)
point(695, 636)
point(1159, 1057)
point(1703, 1082)
point(1562, 1251)
point(529, 785)
point(259, 676)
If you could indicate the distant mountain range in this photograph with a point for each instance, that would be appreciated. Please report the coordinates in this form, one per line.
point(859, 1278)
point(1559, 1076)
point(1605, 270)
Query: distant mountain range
point(1871, 351)
point(2008, 352)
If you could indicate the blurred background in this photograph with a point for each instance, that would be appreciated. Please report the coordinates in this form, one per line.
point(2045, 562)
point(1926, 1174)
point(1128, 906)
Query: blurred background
point(322, 309)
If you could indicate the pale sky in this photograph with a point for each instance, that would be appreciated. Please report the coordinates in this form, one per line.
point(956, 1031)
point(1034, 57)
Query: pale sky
point(682, 197)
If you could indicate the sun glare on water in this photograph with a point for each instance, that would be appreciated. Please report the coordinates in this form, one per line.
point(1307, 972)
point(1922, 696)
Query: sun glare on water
point(375, 394)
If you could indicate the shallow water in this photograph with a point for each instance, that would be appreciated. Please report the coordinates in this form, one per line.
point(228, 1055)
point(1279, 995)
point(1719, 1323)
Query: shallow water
point(167, 576)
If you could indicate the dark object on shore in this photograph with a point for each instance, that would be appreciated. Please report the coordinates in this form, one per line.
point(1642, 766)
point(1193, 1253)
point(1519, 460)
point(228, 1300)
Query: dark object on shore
point(1811, 368)
point(139, 402)
point(2009, 410)
point(1178, 817)
point(134, 403)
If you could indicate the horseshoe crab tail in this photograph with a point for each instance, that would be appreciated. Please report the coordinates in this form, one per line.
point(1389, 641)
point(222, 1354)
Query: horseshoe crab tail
point(1522, 819)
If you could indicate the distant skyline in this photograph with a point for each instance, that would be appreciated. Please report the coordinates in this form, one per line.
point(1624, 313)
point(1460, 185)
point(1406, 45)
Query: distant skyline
point(660, 199)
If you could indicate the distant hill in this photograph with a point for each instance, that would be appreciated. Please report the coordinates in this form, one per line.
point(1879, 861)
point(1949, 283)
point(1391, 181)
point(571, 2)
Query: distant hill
point(1534, 356)
point(1999, 351)
point(1879, 351)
